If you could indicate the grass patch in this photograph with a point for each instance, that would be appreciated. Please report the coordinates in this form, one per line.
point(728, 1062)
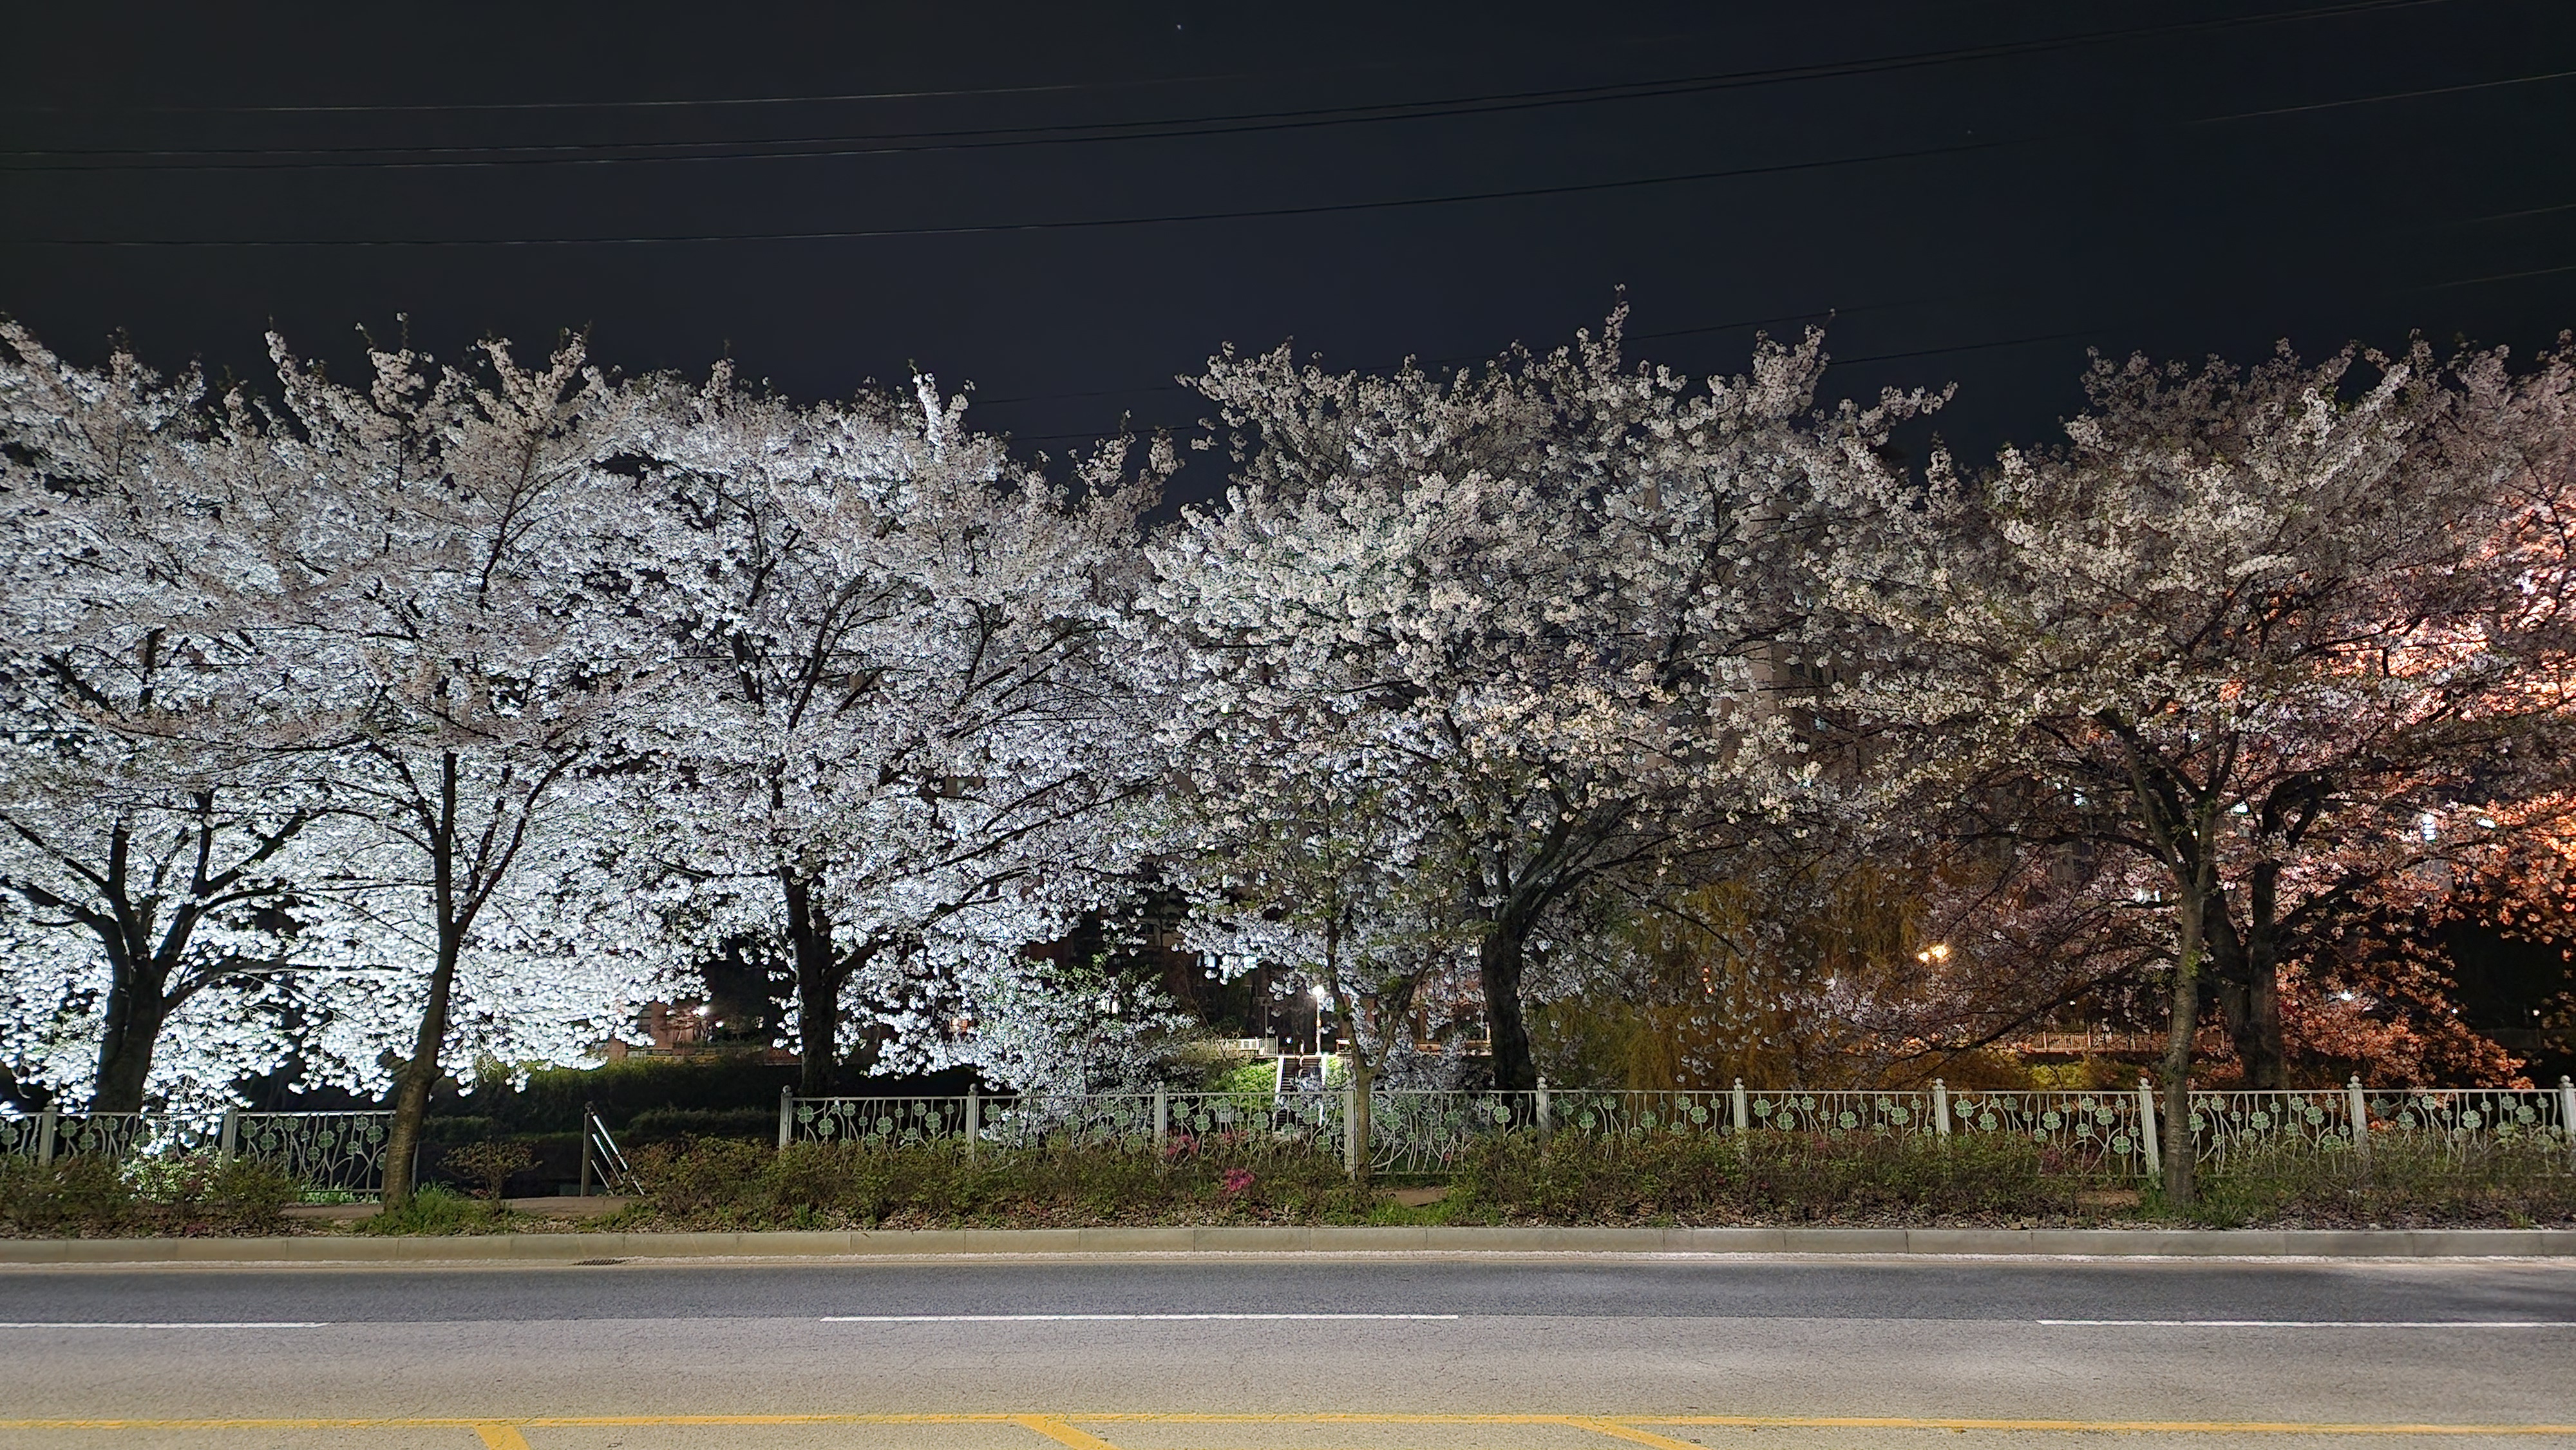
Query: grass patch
point(437, 1210)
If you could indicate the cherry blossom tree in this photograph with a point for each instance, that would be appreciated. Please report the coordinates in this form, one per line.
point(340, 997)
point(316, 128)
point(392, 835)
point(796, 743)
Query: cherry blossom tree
point(1326, 876)
point(1555, 606)
point(430, 549)
point(903, 716)
point(2265, 643)
point(141, 861)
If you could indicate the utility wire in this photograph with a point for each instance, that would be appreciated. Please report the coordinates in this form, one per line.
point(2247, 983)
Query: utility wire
point(1069, 224)
point(682, 103)
point(1256, 213)
point(1188, 127)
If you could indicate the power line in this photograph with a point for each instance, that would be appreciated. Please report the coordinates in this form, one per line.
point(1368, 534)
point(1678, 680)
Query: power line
point(665, 104)
point(2347, 7)
point(1240, 123)
point(1072, 224)
point(1314, 209)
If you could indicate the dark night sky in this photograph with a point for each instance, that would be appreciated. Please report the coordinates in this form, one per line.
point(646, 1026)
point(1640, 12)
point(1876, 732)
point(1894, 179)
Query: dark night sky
point(1979, 189)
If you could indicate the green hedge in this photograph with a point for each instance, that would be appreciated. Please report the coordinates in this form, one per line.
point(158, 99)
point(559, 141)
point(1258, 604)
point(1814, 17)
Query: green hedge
point(1760, 1178)
point(708, 1182)
point(2410, 1180)
point(84, 1196)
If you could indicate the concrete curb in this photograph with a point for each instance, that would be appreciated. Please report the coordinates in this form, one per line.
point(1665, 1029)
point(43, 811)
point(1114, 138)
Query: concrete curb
point(863, 1244)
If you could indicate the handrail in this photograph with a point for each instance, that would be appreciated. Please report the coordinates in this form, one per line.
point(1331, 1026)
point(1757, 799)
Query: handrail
point(598, 1147)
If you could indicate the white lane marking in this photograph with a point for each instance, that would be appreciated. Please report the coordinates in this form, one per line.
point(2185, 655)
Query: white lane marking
point(2316, 1323)
point(1092, 1318)
point(166, 1324)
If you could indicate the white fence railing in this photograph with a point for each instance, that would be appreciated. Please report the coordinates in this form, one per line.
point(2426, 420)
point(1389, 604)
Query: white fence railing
point(326, 1152)
point(2110, 1133)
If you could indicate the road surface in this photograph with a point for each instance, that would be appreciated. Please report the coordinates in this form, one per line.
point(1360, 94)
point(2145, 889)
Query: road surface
point(1428, 1352)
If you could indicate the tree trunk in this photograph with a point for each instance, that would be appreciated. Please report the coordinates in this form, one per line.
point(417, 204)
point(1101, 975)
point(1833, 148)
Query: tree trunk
point(135, 1016)
point(819, 974)
point(2245, 974)
point(1498, 964)
point(2258, 1043)
point(2260, 1047)
point(1362, 1080)
point(2179, 1161)
point(140, 1002)
point(420, 1074)
point(135, 1007)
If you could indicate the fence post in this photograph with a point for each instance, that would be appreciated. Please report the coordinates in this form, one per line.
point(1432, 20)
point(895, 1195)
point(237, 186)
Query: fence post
point(2567, 1115)
point(786, 1115)
point(2147, 1128)
point(1162, 1115)
point(1544, 1121)
point(1940, 1108)
point(230, 1143)
point(974, 1117)
point(1742, 1118)
point(587, 1118)
point(2360, 1110)
point(45, 1137)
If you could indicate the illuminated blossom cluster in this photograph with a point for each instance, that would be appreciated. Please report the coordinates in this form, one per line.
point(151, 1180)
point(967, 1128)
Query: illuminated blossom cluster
point(368, 730)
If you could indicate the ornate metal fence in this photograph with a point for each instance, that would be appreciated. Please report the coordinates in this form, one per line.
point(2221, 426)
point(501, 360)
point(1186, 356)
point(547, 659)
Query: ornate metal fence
point(2105, 1133)
point(1842, 1114)
point(2229, 1124)
point(884, 1122)
point(2460, 1114)
point(1416, 1131)
point(2097, 1132)
point(1421, 1131)
point(25, 1135)
point(326, 1152)
point(1638, 1115)
point(46, 1136)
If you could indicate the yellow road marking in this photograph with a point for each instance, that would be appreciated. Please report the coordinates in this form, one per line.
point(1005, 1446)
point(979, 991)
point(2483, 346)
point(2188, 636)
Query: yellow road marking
point(1061, 1426)
point(1062, 1433)
point(501, 1437)
point(2160, 1427)
point(1630, 1433)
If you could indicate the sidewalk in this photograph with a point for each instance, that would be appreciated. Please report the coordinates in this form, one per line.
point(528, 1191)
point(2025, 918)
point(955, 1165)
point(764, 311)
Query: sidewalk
point(867, 1244)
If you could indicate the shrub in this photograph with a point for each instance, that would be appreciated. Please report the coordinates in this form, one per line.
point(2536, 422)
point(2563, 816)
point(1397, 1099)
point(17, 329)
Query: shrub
point(1760, 1177)
point(78, 1195)
point(490, 1164)
point(657, 1125)
point(928, 1185)
point(2408, 1180)
point(196, 1193)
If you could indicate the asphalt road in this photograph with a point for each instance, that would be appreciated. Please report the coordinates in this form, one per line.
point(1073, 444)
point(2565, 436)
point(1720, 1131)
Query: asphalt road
point(1516, 1354)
